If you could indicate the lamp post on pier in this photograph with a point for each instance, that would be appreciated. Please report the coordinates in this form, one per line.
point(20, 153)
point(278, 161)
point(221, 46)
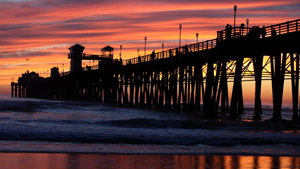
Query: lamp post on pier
point(197, 37)
point(247, 20)
point(120, 51)
point(235, 7)
point(162, 46)
point(145, 45)
point(180, 26)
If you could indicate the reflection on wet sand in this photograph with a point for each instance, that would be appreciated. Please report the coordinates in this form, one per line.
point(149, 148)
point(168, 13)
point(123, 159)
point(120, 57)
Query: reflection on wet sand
point(107, 161)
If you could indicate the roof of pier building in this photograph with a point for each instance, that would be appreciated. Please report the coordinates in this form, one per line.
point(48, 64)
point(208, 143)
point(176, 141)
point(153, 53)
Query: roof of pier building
point(29, 77)
point(77, 46)
point(107, 48)
point(107, 52)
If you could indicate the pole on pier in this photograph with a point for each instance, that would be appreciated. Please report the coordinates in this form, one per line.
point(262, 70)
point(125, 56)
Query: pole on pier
point(180, 26)
point(235, 7)
point(145, 46)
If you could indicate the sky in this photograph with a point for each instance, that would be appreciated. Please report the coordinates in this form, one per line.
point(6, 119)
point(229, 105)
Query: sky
point(35, 34)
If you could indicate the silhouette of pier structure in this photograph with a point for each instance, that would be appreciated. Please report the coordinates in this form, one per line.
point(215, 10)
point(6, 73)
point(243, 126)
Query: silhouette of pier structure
point(192, 77)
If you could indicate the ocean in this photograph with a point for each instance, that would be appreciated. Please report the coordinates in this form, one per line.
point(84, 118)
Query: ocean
point(72, 127)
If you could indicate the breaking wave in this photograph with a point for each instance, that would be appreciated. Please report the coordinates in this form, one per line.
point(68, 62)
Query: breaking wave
point(150, 131)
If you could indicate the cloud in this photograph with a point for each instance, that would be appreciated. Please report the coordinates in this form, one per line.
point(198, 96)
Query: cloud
point(44, 29)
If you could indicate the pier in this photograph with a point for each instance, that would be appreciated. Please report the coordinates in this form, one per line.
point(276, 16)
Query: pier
point(192, 77)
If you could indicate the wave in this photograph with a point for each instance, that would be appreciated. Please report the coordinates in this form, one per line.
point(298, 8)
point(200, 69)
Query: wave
point(267, 125)
point(152, 137)
point(149, 131)
point(17, 106)
point(30, 105)
point(145, 123)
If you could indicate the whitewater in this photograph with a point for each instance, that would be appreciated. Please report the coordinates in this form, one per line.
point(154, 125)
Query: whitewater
point(36, 125)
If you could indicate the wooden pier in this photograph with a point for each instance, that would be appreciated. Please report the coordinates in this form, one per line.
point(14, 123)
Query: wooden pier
point(193, 77)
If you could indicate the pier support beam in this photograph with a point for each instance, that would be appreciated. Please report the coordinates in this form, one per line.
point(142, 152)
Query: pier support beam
point(198, 86)
point(214, 106)
point(295, 83)
point(192, 77)
point(257, 63)
point(16, 90)
point(208, 88)
point(12, 89)
point(174, 88)
point(223, 89)
point(125, 97)
point(142, 91)
point(236, 90)
point(184, 95)
point(278, 63)
point(224, 99)
point(180, 92)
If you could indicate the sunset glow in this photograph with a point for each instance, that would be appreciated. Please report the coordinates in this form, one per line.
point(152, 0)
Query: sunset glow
point(36, 35)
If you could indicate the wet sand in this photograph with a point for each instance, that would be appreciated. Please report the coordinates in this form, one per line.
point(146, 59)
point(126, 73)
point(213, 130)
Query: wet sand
point(121, 161)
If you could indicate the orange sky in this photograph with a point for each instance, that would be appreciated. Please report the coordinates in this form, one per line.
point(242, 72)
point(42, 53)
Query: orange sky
point(43, 30)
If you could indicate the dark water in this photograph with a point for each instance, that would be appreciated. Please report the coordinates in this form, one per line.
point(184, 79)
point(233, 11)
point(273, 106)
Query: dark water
point(30, 125)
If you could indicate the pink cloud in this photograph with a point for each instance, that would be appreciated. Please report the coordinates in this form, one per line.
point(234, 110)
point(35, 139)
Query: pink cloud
point(43, 30)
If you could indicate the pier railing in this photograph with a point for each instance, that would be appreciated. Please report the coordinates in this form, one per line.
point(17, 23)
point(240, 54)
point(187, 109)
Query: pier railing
point(206, 45)
point(237, 32)
point(232, 33)
point(90, 56)
point(284, 28)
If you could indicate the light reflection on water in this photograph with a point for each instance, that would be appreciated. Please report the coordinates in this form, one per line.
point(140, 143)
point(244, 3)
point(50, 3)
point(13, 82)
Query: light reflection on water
point(107, 161)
